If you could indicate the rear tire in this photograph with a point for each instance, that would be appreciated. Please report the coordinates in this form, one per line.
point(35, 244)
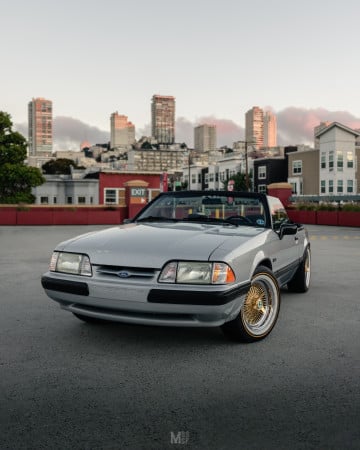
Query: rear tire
point(260, 310)
point(301, 280)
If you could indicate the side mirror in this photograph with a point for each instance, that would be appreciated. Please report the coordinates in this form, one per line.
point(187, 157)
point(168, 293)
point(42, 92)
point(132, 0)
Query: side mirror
point(288, 229)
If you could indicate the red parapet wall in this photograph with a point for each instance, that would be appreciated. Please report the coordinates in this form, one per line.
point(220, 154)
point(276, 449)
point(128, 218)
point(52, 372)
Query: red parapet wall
point(62, 215)
point(336, 218)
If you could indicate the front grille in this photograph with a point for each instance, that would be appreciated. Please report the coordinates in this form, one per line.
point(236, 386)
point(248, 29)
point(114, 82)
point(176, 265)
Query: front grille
point(125, 272)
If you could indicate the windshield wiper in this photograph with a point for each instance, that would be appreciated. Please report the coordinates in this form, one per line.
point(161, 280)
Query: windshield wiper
point(156, 219)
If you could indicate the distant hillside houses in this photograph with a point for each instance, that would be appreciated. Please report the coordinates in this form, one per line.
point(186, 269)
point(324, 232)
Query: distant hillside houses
point(329, 169)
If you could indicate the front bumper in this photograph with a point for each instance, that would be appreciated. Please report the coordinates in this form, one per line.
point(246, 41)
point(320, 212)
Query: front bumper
point(142, 303)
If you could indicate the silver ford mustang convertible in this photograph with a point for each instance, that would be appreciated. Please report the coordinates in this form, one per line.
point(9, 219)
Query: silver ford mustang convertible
point(194, 258)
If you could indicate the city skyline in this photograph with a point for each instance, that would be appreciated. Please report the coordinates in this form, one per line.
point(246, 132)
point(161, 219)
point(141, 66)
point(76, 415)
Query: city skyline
point(296, 128)
point(115, 55)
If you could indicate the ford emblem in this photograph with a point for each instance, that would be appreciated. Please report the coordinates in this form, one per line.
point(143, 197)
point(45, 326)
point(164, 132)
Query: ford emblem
point(123, 274)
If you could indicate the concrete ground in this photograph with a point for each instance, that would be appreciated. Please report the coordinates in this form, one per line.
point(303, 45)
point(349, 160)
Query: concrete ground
point(68, 385)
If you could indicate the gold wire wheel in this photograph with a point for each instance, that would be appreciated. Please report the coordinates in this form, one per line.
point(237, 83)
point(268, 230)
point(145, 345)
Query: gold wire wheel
point(307, 267)
point(256, 304)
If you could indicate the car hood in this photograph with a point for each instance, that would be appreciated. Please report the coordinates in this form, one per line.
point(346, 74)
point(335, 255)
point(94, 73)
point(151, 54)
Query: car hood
point(153, 244)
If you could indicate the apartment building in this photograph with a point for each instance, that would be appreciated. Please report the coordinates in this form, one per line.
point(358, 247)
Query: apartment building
point(303, 172)
point(40, 127)
point(254, 127)
point(153, 159)
point(338, 163)
point(270, 129)
point(122, 131)
point(163, 119)
point(205, 138)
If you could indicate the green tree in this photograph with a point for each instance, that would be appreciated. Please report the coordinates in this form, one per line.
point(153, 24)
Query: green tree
point(58, 166)
point(16, 179)
point(240, 182)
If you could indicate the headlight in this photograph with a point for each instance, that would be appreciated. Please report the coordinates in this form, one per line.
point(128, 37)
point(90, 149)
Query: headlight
point(195, 272)
point(74, 263)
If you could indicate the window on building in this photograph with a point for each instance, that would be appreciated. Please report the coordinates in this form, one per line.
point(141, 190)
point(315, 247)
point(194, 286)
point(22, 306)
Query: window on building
point(199, 178)
point(262, 188)
point(262, 172)
point(340, 186)
point(110, 196)
point(91, 200)
point(331, 160)
point(206, 178)
point(323, 160)
point(293, 188)
point(193, 178)
point(217, 176)
point(331, 186)
point(340, 161)
point(81, 200)
point(350, 160)
point(69, 200)
point(297, 167)
point(350, 186)
point(54, 200)
point(322, 187)
point(211, 177)
point(44, 200)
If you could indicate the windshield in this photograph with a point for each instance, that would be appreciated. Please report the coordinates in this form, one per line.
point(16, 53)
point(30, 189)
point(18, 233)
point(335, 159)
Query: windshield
point(230, 207)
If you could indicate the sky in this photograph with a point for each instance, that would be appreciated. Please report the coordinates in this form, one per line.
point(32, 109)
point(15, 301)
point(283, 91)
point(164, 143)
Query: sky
point(218, 59)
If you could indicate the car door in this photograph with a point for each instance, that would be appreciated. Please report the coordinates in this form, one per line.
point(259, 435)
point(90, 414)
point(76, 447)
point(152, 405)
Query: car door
point(285, 248)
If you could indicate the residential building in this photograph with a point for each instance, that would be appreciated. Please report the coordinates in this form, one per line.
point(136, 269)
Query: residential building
point(153, 159)
point(268, 171)
point(317, 130)
point(303, 172)
point(273, 168)
point(122, 132)
point(163, 119)
point(270, 130)
point(212, 176)
point(205, 138)
point(338, 162)
point(254, 127)
point(40, 127)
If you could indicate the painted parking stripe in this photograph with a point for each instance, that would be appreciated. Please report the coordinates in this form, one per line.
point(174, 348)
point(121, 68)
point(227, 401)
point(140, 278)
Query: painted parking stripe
point(334, 238)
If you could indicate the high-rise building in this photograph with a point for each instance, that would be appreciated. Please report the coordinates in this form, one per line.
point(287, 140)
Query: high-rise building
point(122, 132)
point(270, 129)
point(205, 138)
point(40, 127)
point(254, 127)
point(163, 119)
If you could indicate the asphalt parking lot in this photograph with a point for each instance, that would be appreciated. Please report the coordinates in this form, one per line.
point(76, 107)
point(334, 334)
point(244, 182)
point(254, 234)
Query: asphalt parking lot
point(69, 385)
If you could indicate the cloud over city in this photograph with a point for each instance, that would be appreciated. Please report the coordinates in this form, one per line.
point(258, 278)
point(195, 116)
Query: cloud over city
point(295, 126)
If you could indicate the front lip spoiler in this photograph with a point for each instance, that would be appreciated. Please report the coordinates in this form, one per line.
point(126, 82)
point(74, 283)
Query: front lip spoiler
point(70, 287)
point(176, 297)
